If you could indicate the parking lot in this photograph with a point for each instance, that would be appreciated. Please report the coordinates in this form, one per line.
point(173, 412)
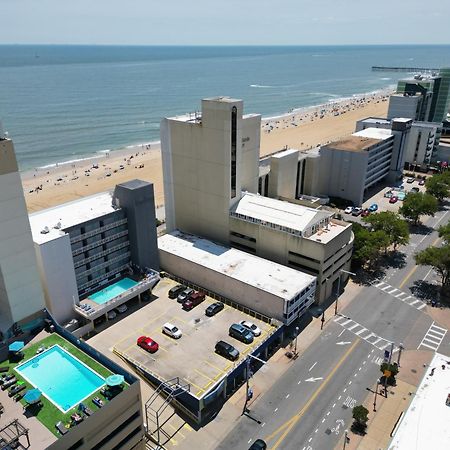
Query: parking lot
point(192, 357)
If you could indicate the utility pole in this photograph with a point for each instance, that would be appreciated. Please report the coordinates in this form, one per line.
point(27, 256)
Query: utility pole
point(346, 438)
point(249, 391)
point(339, 288)
point(385, 377)
point(375, 399)
point(297, 329)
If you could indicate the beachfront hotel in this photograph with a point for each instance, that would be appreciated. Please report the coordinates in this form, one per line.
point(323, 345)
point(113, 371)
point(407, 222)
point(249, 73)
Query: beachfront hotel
point(97, 253)
point(21, 297)
point(211, 178)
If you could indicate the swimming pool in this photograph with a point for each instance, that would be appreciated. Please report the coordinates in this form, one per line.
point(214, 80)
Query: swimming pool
point(61, 377)
point(112, 291)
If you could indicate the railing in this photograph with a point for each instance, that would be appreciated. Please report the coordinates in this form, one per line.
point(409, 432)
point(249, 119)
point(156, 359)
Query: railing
point(103, 265)
point(101, 254)
point(102, 277)
point(78, 251)
point(89, 234)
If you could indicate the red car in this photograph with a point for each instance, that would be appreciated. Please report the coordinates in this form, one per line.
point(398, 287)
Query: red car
point(195, 299)
point(365, 213)
point(393, 199)
point(148, 344)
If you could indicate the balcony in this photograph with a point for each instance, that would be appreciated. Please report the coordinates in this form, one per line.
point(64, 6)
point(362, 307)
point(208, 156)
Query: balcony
point(89, 234)
point(103, 265)
point(104, 276)
point(101, 254)
point(78, 251)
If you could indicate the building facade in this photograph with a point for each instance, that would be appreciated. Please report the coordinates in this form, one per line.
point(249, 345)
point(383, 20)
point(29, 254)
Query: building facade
point(21, 296)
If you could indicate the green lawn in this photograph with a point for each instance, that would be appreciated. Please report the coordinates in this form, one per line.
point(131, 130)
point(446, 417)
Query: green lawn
point(49, 414)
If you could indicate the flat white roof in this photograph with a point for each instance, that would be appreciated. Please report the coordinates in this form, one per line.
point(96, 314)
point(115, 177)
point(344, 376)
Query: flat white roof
point(426, 422)
point(282, 213)
point(284, 153)
point(69, 214)
point(374, 133)
point(261, 273)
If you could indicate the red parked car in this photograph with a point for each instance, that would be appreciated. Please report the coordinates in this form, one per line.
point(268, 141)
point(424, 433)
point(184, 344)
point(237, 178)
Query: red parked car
point(393, 199)
point(147, 344)
point(195, 299)
point(365, 213)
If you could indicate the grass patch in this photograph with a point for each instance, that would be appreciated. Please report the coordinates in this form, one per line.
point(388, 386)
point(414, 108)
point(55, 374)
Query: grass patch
point(49, 414)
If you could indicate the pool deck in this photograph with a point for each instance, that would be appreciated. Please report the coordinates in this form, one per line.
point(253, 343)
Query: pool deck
point(192, 357)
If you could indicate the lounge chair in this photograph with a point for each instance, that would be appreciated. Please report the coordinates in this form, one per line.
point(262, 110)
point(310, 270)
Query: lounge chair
point(83, 408)
point(9, 383)
point(16, 389)
point(97, 401)
point(76, 418)
point(5, 378)
point(61, 428)
point(3, 369)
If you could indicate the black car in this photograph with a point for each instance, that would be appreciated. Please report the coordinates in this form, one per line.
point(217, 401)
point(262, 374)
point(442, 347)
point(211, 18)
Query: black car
point(227, 350)
point(175, 291)
point(259, 444)
point(184, 295)
point(214, 308)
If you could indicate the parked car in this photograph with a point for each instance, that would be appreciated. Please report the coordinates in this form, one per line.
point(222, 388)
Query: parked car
point(415, 189)
point(195, 299)
point(122, 308)
point(227, 350)
point(388, 194)
point(214, 308)
point(171, 330)
point(251, 326)
point(393, 199)
point(356, 211)
point(365, 212)
point(148, 344)
point(348, 210)
point(176, 291)
point(421, 182)
point(111, 315)
point(259, 444)
point(410, 180)
point(373, 207)
point(183, 296)
point(241, 333)
point(401, 196)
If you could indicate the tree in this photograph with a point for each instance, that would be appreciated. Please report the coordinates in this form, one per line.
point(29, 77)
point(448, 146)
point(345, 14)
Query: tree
point(395, 228)
point(368, 244)
point(439, 259)
point(393, 368)
point(418, 204)
point(360, 415)
point(438, 186)
point(444, 232)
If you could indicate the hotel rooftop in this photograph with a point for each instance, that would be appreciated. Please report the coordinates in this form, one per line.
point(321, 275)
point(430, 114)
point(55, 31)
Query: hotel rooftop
point(362, 140)
point(50, 223)
point(271, 277)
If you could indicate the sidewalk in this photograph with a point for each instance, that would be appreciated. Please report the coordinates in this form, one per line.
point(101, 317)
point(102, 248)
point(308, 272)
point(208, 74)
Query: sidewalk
point(388, 410)
point(209, 436)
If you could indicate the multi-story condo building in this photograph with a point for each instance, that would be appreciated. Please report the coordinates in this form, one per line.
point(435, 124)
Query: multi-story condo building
point(211, 177)
point(85, 246)
point(21, 297)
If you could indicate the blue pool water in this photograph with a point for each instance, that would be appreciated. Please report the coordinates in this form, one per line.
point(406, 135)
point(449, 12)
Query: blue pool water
point(61, 377)
point(112, 291)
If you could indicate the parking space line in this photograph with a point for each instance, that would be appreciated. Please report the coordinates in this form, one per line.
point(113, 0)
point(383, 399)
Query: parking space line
point(214, 366)
point(181, 320)
point(203, 375)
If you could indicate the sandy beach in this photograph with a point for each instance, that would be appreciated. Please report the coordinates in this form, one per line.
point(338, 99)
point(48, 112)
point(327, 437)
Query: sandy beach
point(300, 129)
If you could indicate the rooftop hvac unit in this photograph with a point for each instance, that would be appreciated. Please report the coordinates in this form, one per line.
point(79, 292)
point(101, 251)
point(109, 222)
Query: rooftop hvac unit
point(45, 230)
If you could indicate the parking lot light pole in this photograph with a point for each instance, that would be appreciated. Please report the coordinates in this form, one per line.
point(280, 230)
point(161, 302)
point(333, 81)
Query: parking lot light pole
point(339, 288)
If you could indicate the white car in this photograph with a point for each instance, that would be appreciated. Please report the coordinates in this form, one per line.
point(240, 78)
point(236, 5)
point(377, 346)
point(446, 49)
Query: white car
point(122, 308)
point(348, 210)
point(171, 330)
point(251, 326)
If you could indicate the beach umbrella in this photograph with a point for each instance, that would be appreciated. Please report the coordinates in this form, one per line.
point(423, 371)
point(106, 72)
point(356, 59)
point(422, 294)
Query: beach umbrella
point(114, 380)
point(32, 395)
point(16, 346)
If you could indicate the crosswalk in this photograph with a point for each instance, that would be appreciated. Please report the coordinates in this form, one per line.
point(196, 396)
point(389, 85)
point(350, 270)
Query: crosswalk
point(400, 295)
point(433, 337)
point(363, 333)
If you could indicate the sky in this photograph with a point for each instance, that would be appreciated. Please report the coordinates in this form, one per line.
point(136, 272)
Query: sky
point(224, 22)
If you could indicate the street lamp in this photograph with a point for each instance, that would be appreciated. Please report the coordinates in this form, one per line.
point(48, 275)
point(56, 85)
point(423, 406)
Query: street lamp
point(346, 438)
point(339, 288)
point(400, 348)
point(375, 399)
point(249, 391)
point(297, 329)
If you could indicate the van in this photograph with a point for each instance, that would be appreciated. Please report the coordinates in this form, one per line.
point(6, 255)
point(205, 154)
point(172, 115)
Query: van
point(241, 333)
point(176, 290)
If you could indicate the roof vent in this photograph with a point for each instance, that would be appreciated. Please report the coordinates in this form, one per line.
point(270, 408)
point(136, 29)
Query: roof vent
point(57, 226)
point(45, 230)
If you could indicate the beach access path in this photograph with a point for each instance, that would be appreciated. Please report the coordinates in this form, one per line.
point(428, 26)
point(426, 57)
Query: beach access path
point(302, 130)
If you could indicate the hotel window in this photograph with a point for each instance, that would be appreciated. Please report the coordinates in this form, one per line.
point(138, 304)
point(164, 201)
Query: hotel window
point(233, 150)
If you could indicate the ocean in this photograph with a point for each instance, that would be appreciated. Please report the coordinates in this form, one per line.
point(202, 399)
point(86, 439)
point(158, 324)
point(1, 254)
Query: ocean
point(62, 103)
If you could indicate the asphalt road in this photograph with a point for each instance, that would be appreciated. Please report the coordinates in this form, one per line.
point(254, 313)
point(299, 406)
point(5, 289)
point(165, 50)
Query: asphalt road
point(310, 406)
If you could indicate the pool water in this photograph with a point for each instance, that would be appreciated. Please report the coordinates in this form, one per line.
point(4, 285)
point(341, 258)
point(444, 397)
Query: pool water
point(108, 293)
point(61, 377)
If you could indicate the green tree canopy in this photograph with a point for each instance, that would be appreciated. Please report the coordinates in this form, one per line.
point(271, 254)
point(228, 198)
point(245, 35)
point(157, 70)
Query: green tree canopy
point(444, 232)
point(368, 244)
point(395, 228)
point(418, 204)
point(438, 186)
point(439, 259)
point(360, 414)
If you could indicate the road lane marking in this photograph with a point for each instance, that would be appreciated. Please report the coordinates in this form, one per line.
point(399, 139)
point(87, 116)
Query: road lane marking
point(341, 333)
point(361, 331)
point(312, 367)
point(287, 396)
point(289, 424)
point(433, 337)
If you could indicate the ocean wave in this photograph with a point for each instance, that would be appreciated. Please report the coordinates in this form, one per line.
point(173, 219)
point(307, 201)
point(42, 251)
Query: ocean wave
point(261, 86)
point(386, 79)
point(72, 161)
